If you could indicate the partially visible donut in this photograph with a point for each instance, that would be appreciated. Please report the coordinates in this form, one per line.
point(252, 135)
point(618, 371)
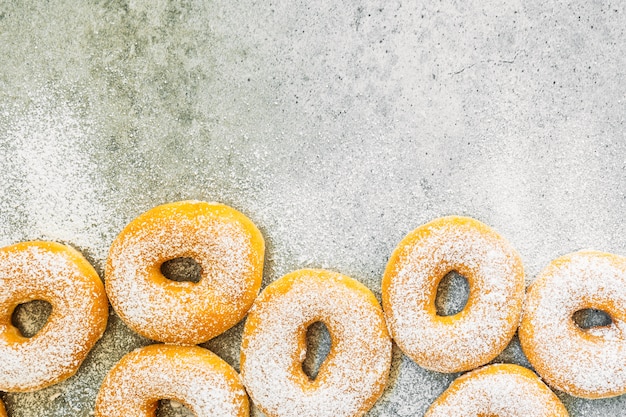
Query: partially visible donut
point(354, 373)
point(61, 276)
point(3, 412)
point(502, 390)
point(190, 375)
point(585, 363)
point(225, 243)
point(484, 327)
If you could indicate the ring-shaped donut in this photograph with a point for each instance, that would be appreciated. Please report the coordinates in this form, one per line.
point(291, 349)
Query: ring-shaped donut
point(354, 373)
point(61, 276)
point(498, 390)
point(225, 243)
point(484, 327)
point(585, 363)
point(190, 375)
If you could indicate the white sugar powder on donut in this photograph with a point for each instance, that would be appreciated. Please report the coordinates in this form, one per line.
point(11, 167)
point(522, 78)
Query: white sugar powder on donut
point(269, 352)
point(589, 363)
point(194, 376)
point(61, 345)
point(225, 244)
point(488, 321)
point(224, 247)
point(498, 390)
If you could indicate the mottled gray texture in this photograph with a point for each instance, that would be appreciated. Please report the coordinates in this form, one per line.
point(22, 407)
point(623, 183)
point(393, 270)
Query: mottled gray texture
point(337, 127)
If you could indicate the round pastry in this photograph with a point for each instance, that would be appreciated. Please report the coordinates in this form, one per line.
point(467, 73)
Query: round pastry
point(190, 375)
point(354, 373)
point(229, 250)
point(60, 275)
point(502, 390)
point(585, 363)
point(484, 327)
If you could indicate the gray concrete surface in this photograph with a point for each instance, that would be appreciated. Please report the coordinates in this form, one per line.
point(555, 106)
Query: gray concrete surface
point(337, 127)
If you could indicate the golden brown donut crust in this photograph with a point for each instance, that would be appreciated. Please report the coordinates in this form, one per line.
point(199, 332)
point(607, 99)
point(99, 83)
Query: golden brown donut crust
point(585, 363)
point(504, 390)
point(225, 243)
point(479, 332)
point(353, 375)
point(61, 276)
point(190, 375)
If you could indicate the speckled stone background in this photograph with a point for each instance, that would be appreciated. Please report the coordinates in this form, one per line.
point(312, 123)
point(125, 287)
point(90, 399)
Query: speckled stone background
point(337, 127)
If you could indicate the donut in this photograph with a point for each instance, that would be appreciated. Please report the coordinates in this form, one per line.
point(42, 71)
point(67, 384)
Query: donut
point(190, 375)
point(353, 375)
point(488, 321)
point(584, 363)
point(503, 390)
point(60, 275)
point(3, 412)
point(225, 243)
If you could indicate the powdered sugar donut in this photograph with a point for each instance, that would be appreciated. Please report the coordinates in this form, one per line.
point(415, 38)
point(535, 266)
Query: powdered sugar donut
point(60, 275)
point(354, 373)
point(225, 243)
point(484, 327)
point(502, 390)
point(190, 375)
point(585, 363)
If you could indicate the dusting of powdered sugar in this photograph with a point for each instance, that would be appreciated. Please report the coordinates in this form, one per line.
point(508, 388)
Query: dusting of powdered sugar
point(357, 367)
point(487, 323)
point(498, 390)
point(588, 363)
point(184, 312)
point(192, 376)
point(77, 320)
point(60, 185)
point(338, 127)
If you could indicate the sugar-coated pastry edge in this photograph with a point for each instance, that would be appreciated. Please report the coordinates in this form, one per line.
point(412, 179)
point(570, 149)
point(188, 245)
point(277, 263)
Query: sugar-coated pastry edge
point(505, 390)
point(60, 275)
point(190, 375)
point(355, 372)
point(226, 244)
point(584, 363)
point(485, 326)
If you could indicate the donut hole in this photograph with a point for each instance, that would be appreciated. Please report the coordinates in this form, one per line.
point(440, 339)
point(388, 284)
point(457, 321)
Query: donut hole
point(182, 269)
point(590, 317)
point(171, 408)
point(318, 342)
point(30, 317)
point(452, 294)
